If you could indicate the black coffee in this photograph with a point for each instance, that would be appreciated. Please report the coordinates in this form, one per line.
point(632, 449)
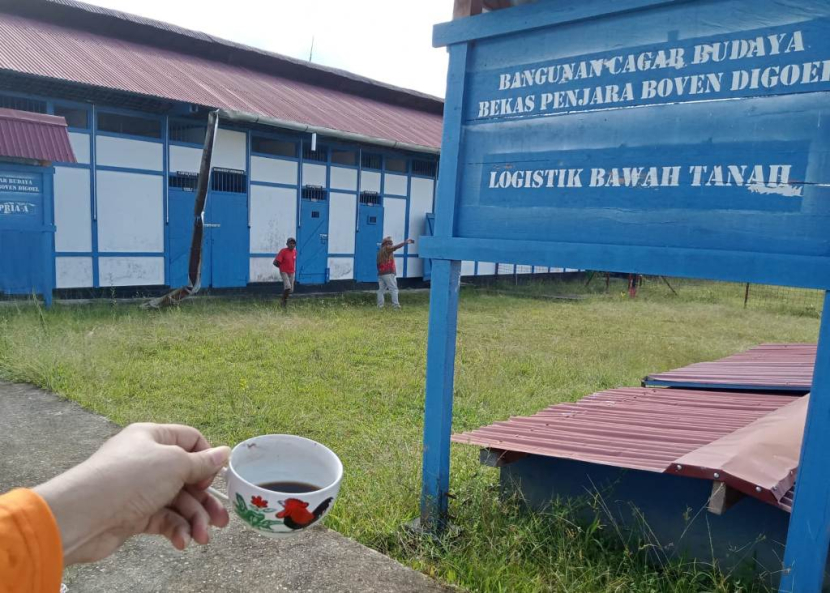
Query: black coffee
point(290, 487)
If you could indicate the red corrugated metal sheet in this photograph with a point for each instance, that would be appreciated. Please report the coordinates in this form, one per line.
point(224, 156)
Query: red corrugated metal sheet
point(759, 459)
point(34, 136)
point(780, 367)
point(637, 428)
point(46, 50)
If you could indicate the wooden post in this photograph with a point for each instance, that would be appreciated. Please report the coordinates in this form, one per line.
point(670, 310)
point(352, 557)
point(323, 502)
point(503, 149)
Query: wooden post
point(723, 498)
point(809, 535)
point(443, 322)
point(464, 8)
point(443, 311)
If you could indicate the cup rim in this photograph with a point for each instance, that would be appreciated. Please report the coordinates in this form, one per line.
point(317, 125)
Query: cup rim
point(333, 483)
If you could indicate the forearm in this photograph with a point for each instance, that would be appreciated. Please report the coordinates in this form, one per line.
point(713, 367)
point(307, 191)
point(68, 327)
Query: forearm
point(71, 497)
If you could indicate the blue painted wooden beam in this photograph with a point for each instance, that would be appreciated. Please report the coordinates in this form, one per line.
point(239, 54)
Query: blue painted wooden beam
point(535, 16)
point(809, 535)
point(733, 266)
point(441, 342)
point(443, 311)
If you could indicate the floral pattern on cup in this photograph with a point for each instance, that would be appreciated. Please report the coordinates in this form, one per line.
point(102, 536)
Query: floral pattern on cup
point(255, 513)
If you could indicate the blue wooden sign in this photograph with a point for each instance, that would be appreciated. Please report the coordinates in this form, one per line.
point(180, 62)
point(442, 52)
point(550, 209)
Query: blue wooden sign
point(685, 138)
point(26, 231)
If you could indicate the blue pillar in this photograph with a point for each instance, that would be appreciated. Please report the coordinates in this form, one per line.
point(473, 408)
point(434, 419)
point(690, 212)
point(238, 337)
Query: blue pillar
point(809, 535)
point(443, 322)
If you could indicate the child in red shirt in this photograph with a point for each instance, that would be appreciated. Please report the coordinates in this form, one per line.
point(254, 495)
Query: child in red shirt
point(286, 263)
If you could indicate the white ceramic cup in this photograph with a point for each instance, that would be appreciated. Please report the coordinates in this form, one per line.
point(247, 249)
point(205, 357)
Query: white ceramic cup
point(282, 458)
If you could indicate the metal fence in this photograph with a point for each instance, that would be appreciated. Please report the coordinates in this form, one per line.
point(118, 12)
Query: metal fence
point(550, 283)
point(750, 296)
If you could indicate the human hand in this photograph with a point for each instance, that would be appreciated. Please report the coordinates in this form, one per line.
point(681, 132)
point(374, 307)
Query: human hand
point(410, 241)
point(149, 478)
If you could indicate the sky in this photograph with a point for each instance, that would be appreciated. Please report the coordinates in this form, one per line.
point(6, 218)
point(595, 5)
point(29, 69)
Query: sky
point(388, 40)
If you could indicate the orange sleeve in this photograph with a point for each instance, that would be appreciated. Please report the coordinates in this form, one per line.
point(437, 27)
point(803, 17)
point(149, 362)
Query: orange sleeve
point(31, 554)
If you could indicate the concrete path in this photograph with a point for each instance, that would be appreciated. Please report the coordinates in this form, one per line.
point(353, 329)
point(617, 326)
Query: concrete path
point(42, 435)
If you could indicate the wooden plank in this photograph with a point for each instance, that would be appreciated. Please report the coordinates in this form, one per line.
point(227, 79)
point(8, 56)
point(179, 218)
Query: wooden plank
point(498, 457)
point(723, 498)
point(465, 8)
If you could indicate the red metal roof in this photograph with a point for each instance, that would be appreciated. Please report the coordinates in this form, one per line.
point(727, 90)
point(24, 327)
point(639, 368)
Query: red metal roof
point(638, 428)
point(44, 49)
point(779, 367)
point(34, 136)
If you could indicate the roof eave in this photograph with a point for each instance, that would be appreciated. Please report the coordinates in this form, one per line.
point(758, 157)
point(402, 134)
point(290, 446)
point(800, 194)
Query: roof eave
point(251, 118)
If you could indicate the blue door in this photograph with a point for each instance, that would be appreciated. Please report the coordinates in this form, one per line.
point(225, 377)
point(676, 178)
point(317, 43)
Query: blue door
point(226, 228)
point(369, 236)
point(313, 240)
point(181, 203)
point(225, 242)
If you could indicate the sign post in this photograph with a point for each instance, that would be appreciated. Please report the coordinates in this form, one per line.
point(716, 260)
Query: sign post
point(660, 137)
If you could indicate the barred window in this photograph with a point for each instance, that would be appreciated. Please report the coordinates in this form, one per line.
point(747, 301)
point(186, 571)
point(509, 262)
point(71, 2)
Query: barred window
point(371, 160)
point(184, 180)
point(424, 167)
point(314, 193)
point(371, 198)
point(321, 155)
point(229, 180)
point(22, 104)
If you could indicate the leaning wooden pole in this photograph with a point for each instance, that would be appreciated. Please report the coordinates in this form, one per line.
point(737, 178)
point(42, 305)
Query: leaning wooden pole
point(194, 271)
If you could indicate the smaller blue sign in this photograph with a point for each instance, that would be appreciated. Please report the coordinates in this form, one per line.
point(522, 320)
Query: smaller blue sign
point(18, 208)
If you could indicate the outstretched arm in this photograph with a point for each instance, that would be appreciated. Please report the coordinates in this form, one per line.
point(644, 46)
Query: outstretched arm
point(399, 245)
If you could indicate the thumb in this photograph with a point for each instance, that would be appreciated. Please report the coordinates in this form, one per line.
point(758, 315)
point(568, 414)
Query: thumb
point(204, 464)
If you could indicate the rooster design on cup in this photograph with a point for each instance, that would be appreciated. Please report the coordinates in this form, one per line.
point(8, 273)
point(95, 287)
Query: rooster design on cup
point(295, 513)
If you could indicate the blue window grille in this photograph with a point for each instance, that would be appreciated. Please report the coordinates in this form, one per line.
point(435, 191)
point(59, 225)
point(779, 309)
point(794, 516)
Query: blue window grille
point(315, 193)
point(371, 160)
point(229, 180)
point(424, 168)
point(321, 155)
point(184, 180)
point(22, 104)
point(371, 198)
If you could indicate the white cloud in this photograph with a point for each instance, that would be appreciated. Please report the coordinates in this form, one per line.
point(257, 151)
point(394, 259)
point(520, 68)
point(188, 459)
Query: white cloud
point(387, 40)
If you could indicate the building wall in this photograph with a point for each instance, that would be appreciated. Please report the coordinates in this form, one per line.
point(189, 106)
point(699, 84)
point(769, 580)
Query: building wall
point(112, 207)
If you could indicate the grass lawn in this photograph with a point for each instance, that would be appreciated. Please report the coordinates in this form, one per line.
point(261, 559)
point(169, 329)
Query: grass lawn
point(339, 371)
